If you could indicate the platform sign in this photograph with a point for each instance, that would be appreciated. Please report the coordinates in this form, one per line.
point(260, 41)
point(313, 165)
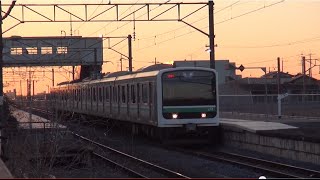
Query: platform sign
point(52, 51)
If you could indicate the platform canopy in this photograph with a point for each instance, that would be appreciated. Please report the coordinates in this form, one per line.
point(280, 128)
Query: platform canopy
point(52, 51)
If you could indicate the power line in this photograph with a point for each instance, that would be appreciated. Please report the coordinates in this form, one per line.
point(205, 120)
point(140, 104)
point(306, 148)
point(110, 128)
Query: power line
point(277, 45)
point(90, 15)
point(265, 6)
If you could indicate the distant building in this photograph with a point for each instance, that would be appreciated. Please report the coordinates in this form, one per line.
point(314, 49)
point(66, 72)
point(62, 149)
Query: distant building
point(225, 69)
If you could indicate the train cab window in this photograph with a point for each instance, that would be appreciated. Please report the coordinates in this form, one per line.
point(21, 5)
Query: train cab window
point(123, 94)
point(133, 94)
point(150, 92)
point(144, 93)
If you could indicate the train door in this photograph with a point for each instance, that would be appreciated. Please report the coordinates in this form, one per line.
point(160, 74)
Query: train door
point(127, 98)
point(150, 94)
point(118, 99)
point(78, 98)
point(103, 98)
point(97, 99)
point(110, 100)
point(91, 99)
point(138, 100)
point(87, 97)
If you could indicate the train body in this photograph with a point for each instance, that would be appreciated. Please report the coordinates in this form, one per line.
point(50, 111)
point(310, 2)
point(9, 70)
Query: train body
point(183, 99)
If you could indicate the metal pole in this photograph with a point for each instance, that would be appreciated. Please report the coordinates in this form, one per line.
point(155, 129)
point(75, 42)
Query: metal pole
point(211, 34)
point(1, 80)
point(33, 88)
point(29, 100)
point(1, 77)
point(130, 52)
point(20, 93)
point(304, 74)
point(121, 63)
point(266, 88)
point(278, 80)
point(72, 73)
point(52, 77)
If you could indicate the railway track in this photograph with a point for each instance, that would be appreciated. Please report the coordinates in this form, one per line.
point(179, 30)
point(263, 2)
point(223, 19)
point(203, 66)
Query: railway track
point(133, 165)
point(269, 168)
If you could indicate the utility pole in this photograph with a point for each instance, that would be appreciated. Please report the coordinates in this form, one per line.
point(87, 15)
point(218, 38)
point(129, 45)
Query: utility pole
point(29, 99)
point(310, 63)
point(2, 117)
point(52, 77)
point(278, 82)
point(1, 76)
point(211, 34)
point(130, 52)
point(121, 63)
point(72, 73)
point(304, 74)
point(33, 88)
point(278, 75)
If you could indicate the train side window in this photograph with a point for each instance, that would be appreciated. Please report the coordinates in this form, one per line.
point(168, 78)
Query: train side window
point(94, 94)
point(107, 94)
point(79, 93)
point(138, 93)
point(127, 94)
point(150, 92)
point(119, 94)
point(133, 94)
point(144, 93)
point(114, 94)
point(100, 94)
point(123, 93)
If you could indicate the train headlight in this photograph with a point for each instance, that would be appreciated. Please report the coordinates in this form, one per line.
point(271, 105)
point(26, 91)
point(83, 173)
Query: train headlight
point(203, 115)
point(174, 115)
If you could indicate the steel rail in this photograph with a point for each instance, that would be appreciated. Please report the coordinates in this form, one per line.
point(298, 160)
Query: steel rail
point(275, 169)
point(298, 171)
point(155, 167)
point(132, 172)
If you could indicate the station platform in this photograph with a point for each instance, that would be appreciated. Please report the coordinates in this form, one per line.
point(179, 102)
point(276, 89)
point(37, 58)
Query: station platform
point(33, 122)
point(296, 139)
point(4, 172)
point(306, 129)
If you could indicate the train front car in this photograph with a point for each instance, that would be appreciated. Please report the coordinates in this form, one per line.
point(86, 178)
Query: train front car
point(188, 102)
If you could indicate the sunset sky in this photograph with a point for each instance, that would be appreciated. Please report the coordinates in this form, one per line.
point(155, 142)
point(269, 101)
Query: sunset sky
point(249, 32)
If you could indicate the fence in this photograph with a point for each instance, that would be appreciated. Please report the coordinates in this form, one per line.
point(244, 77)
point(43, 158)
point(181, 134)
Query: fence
point(291, 104)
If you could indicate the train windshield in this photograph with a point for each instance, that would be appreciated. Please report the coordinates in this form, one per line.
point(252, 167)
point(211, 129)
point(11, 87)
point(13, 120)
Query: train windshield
point(189, 87)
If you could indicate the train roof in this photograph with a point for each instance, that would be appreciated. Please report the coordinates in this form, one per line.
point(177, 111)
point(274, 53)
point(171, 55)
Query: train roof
point(123, 75)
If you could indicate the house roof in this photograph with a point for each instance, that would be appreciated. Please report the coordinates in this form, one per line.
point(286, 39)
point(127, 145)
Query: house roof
point(274, 74)
point(300, 76)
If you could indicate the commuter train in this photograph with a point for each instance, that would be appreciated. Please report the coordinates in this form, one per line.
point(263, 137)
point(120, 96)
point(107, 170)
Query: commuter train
point(163, 103)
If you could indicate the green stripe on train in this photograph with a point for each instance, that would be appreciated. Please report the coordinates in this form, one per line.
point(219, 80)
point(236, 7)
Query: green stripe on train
point(184, 109)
